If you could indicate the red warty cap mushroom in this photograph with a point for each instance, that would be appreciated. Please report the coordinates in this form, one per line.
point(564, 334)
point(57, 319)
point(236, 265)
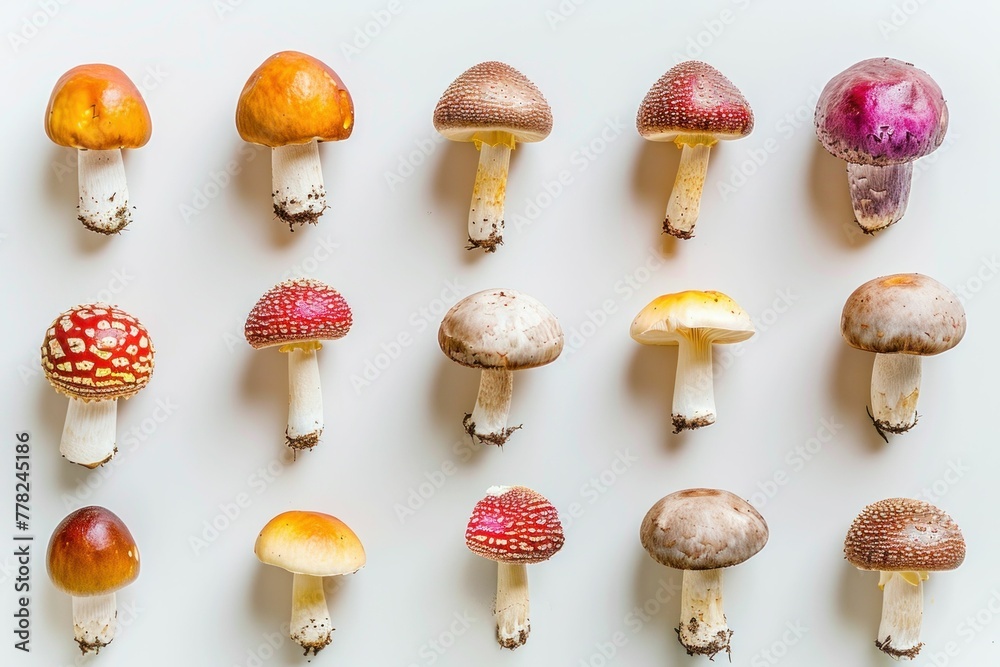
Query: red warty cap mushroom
point(515, 526)
point(95, 354)
point(91, 555)
point(295, 316)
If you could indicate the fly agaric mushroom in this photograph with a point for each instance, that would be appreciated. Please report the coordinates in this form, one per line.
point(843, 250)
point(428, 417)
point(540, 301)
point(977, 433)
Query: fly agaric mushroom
point(903, 539)
point(693, 321)
point(498, 331)
point(296, 315)
point(310, 545)
point(95, 354)
point(97, 110)
point(694, 106)
point(901, 318)
point(880, 115)
point(494, 106)
point(702, 531)
point(514, 526)
point(91, 555)
point(289, 104)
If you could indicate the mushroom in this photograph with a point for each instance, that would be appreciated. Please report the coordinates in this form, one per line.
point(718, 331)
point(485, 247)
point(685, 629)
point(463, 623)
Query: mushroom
point(310, 545)
point(498, 331)
point(514, 526)
point(290, 103)
point(880, 115)
point(693, 321)
point(296, 315)
point(97, 110)
point(701, 531)
point(901, 318)
point(91, 555)
point(494, 106)
point(95, 354)
point(694, 106)
point(903, 539)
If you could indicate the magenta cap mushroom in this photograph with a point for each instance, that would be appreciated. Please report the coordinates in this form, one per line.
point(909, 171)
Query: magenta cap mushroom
point(880, 115)
point(694, 106)
point(295, 316)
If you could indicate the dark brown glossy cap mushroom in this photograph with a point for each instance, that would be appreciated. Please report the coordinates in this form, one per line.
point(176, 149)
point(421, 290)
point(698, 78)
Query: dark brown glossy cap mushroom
point(904, 535)
point(92, 552)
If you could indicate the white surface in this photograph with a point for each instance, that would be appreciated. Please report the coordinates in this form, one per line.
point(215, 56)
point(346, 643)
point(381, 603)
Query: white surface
point(208, 430)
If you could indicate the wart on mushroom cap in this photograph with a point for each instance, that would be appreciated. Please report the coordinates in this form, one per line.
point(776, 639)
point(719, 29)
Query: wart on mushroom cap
point(495, 106)
point(694, 106)
point(903, 539)
point(97, 110)
point(901, 318)
point(498, 331)
point(880, 115)
point(290, 103)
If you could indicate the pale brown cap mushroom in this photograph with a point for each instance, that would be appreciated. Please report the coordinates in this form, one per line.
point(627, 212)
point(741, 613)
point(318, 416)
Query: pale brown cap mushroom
point(903, 534)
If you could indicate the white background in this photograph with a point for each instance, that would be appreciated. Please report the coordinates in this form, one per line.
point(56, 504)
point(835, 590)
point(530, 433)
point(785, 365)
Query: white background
point(207, 432)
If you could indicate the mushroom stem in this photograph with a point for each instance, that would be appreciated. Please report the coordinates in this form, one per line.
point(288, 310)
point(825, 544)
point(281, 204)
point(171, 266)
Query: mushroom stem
point(488, 421)
point(486, 211)
point(895, 389)
point(305, 396)
point(512, 605)
point(703, 629)
point(685, 197)
point(297, 183)
point(103, 191)
point(694, 394)
point(311, 626)
point(902, 613)
point(94, 621)
point(88, 436)
point(879, 194)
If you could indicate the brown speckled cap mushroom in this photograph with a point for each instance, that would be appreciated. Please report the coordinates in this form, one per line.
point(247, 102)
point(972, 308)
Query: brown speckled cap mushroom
point(494, 106)
point(901, 318)
point(903, 539)
point(694, 106)
point(702, 531)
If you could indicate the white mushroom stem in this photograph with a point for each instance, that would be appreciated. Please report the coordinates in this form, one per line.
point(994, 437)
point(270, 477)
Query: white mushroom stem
point(703, 628)
point(488, 194)
point(305, 396)
point(685, 197)
point(94, 620)
point(902, 613)
point(488, 422)
point(694, 393)
point(311, 626)
point(879, 194)
point(297, 183)
point(895, 389)
point(512, 605)
point(88, 436)
point(103, 191)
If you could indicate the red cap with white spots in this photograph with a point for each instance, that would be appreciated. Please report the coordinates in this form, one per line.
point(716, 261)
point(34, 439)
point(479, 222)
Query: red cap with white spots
point(298, 311)
point(514, 524)
point(97, 352)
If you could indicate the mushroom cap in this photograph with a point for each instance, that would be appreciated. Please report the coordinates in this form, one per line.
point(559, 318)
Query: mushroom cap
point(97, 352)
point(904, 535)
point(500, 329)
point(91, 552)
point(694, 98)
point(293, 98)
point(711, 315)
point(905, 313)
point(514, 524)
point(310, 543)
point(881, 111)
point(492, 97)
point(97, 107)
point(298, 311)
point(702, 529)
